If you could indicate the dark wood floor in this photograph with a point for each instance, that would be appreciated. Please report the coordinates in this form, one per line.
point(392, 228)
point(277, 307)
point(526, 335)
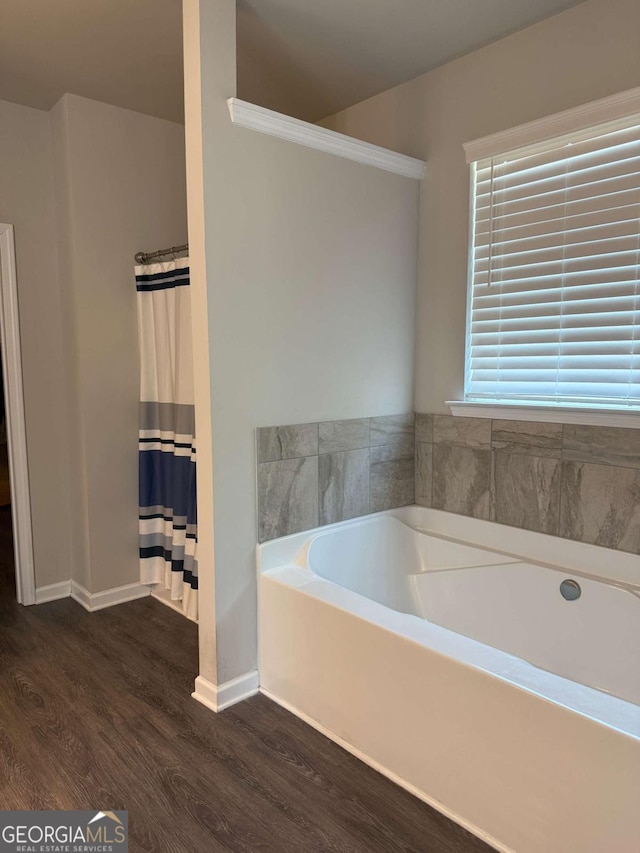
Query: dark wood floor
point(95, 712)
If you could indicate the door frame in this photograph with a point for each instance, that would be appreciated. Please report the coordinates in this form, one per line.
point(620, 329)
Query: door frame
point(15, 418)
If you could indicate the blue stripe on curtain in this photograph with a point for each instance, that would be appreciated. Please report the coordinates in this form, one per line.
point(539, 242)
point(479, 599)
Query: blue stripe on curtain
point(169, 481)
point(162, 280)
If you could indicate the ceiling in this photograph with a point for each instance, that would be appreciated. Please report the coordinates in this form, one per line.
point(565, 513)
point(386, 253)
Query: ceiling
point(308, 58)
point(123, 52)
point(312, 58)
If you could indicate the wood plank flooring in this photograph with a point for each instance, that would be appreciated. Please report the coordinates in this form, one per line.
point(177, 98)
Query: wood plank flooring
point(95, 712)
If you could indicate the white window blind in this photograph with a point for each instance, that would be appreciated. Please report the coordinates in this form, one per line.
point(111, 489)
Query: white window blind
point(554, 303)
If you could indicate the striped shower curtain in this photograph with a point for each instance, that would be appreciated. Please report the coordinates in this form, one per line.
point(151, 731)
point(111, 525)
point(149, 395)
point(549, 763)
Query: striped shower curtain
point(167, 452)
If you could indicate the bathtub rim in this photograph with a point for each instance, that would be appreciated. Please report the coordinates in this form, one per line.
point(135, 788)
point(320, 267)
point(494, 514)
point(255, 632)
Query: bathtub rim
point(579, 558)
point(595, 705)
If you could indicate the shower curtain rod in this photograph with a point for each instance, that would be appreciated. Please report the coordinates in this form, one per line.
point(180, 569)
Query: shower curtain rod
point(145, 257)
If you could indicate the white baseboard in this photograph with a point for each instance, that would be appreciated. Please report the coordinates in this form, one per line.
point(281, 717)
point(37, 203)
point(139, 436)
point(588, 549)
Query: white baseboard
point(221, 696)
point(53, 591)
point(384, 771)
point(92, 601)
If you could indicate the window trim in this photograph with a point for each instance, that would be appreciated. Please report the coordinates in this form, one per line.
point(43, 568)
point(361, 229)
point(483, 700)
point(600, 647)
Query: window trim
point(561, 414)
point(611, 108)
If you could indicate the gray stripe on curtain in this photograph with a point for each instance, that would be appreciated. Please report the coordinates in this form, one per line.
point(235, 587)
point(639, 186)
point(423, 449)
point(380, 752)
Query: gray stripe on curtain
point(160, 510)
point(168, 417)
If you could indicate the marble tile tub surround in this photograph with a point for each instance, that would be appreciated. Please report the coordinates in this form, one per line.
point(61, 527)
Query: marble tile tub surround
point(578, 482)
point(320, 473)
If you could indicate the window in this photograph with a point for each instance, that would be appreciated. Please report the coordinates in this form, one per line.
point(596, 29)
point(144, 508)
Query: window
point(554, 298)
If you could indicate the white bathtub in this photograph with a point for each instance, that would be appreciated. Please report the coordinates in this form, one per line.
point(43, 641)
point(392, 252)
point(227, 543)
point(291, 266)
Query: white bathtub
point(460, 671)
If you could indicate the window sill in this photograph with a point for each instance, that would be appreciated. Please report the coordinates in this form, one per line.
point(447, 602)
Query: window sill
point(545, 414)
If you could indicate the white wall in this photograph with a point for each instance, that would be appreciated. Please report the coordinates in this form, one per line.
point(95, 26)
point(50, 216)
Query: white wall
point(121, 188)
point(310, 296)
point(86, 186)
point(27, 202)
point(585, 53)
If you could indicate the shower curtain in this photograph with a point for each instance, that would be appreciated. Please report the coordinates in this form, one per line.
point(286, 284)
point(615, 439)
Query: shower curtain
point(167, 452)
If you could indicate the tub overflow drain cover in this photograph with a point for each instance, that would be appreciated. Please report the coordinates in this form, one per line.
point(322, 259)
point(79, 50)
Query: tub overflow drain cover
point(570, 590)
